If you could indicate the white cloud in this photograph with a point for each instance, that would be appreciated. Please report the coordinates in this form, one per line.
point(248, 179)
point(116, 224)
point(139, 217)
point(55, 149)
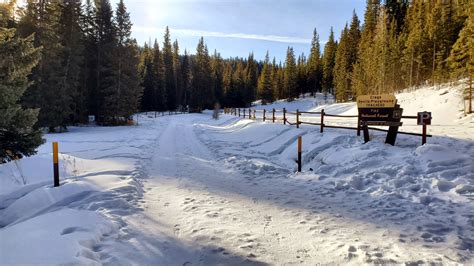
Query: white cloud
point(204, 33)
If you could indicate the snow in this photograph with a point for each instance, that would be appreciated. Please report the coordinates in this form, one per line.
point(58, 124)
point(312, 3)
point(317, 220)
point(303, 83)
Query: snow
point(190, 190)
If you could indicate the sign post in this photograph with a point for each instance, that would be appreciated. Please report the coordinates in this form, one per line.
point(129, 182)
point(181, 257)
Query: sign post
point(423, 119)
point(379, 110)
point(299, 153)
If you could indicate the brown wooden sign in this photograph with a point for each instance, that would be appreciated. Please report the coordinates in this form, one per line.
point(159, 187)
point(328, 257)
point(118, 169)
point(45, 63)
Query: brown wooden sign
point(379, 110)
point(376, 101)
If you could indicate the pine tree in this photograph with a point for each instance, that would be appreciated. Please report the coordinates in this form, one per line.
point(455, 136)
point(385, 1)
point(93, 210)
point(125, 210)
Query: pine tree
point(158, 77)
point(169, 71)
point(128, 91)
point(251, 80)
point(72, 56)
point(201, 96)
point(417, 52)
point(314, 66)
point(380, 55)
point(146, 70)
point(106, 74)
point(346, 56)
point(290, 78)
point(302, 75)
point(18, 137)
point(329, 58)
point(217, 72)
point(186, 78)
point(89, 69)
point(274, 79)
point(47, 91)
point(176, 74)
point(341, 67)
point(396, 12)
point(461, 58)
point(265, 92)
point(365, 69)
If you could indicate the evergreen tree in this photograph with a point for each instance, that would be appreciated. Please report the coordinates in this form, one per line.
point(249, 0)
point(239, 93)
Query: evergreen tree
point(186, 78)
point(302, 76)
point(89, 71)
point(72, 56)
point(146, 67)
point(365, 69)
point(251, 79)
point(274, 79)
point(396, 12)
point(461, 59)
point(329, 58)
point(201, 96)
point(346, 56)
point(417, 51)
point(158, 73)
point(48, 92)
point(315, 73)
point(217, 72)
point(176, 69)
point(265, 91)
point(290, 78)
point(170, 81)
point(128, 91)
point(18, 137)
point(106, 74)
point(341, 67)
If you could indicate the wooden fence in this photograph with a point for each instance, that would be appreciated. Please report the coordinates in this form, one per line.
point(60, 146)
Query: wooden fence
point(298, 118)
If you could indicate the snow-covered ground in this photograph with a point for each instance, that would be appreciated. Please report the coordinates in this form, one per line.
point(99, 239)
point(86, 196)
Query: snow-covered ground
point(190, 190)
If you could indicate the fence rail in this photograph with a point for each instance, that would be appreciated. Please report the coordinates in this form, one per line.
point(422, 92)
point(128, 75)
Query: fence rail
point(297, 119)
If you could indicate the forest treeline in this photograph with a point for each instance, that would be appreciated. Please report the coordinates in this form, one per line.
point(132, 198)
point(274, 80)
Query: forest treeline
point(62, 61)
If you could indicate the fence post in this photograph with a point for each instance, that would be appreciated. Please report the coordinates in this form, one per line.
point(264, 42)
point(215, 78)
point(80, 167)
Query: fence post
point(244, 113)
point(284, 116)
point(273, 117)
point(423, 137)
point(254, 114)
point(250, 113)
point(239, 111)
point(297, 118)
point(299, 153)
point(322, 120)
point(264, 115)
point(56, 164)
point(358, 125)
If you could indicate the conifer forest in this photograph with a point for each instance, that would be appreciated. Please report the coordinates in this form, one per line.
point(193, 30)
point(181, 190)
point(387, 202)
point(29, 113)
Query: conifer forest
point(62, 61)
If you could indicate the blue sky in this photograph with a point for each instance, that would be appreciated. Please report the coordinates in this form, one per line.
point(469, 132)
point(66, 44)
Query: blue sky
point(236, 28)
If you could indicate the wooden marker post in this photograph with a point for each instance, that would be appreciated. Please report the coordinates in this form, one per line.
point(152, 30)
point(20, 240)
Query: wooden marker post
point(297, 118)
point(273, 117)
point(322, 120)
point(299, 153)
point(423, 137)
point(239, 111)
point(358, 125)
point(264, 115)
point(244, 113)
point(284, 116)
point(55, 164)
point(250, 113)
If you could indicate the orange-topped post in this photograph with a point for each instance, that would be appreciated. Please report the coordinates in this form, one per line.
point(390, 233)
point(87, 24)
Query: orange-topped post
point(56, 164)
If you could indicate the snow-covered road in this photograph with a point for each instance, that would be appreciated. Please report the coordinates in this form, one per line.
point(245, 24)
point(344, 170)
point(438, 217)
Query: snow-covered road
point(191, 190)
point(202, 207)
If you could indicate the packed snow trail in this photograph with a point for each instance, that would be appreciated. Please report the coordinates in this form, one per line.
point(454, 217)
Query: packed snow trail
point(205, 206)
